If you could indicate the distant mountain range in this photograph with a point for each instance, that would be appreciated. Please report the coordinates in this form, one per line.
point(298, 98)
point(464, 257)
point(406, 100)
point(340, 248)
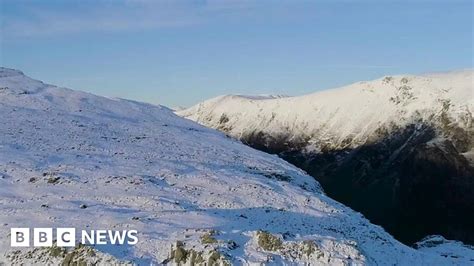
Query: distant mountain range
point(399, 149)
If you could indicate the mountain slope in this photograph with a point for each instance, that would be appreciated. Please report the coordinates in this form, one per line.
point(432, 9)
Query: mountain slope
point(396, 149)
point(72, 159)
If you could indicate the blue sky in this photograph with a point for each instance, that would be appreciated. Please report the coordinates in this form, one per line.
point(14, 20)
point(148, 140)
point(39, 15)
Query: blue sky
point(178, 53)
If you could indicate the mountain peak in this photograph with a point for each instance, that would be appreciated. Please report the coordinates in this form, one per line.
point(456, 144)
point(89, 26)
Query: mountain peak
point(9, 72)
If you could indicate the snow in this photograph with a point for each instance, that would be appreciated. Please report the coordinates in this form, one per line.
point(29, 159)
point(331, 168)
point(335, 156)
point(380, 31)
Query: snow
point(443, 247)
point(345, 117)
point(139, 166)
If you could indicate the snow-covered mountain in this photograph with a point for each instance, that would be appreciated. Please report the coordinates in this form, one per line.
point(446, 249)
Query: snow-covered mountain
point(396, 148)
point(72, 159)
point(346, 117)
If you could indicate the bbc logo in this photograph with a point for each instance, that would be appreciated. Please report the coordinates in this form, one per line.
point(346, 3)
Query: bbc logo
point(43, 237)
point(66, 237)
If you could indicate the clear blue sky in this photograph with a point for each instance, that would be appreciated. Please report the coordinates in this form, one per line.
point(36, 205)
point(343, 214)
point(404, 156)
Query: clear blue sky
point(181, 52)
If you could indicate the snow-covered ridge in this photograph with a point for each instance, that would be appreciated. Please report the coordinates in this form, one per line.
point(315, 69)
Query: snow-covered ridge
point(8, 72)
point(349, 116)
point(70, 158)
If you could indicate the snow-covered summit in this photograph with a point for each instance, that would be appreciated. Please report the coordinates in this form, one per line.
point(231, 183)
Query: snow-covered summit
point(73, 159)
point(8, 72)
point(349, 116)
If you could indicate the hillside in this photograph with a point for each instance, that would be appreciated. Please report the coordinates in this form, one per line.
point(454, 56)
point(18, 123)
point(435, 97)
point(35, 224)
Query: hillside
point(396, 148)
point(72, 159)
